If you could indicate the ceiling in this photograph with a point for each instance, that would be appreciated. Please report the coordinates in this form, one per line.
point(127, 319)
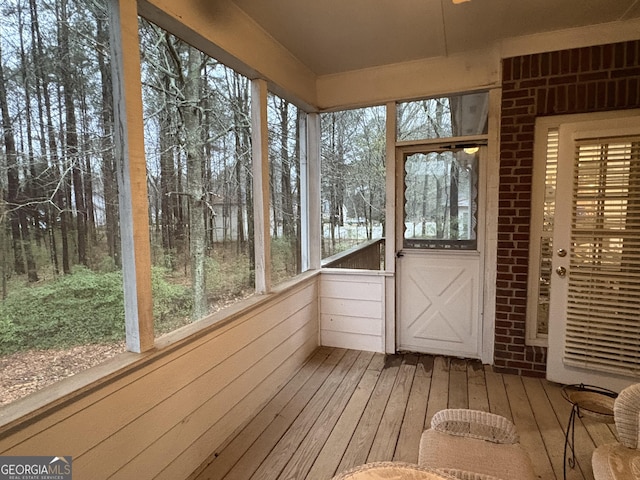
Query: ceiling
point(333, 36)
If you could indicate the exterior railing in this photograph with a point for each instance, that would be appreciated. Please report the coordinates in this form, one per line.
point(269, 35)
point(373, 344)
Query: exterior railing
point(366, 256)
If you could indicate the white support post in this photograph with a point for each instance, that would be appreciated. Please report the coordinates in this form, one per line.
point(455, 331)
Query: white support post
point(260, 168)
point(313, 193)
point(304, 194)
point(491, 227)
point(132, 175)
point(390, 231)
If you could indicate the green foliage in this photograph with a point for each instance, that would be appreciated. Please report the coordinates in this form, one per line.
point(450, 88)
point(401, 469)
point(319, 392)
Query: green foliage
point(82, 308)
point(171, 302)
point(283, 259)
point(228, 274)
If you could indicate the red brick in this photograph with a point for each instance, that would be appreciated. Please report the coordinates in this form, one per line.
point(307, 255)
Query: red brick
point(507, 75)
point(585, 60)
point(541, 100)
point(555, 63)
point(516, 68)
point(596, 58)
point(562, 99)
point(608, 59)
point(565, 62)
point(626, 72)
point(526, 101)
point(526, 67)
point(551, 102)
point(632, 52)
point(563, 80)
point(619, 56)
point(592, 76)
point(518, 93)
point(633, 92)
point(545, 64)
point(575, 60)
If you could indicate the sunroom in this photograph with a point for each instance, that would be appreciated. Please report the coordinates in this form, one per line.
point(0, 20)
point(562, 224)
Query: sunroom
point(382, 184)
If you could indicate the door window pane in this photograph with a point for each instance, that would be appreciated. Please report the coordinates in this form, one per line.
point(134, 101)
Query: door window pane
point(440, 200)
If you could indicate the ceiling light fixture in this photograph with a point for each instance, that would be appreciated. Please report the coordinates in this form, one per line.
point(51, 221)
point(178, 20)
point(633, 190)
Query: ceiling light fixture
point(456, 2)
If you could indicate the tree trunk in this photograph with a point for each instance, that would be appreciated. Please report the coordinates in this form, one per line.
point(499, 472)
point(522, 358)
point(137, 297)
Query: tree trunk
point(109, 183)
point(17, 214)
point(53, 193)
point(241, 95)
point(195, 188)
point(72, 137)
point(453, 200)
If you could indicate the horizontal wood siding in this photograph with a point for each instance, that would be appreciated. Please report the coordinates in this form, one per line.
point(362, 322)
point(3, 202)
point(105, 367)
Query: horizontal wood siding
point(352, 311)
point(164, 419)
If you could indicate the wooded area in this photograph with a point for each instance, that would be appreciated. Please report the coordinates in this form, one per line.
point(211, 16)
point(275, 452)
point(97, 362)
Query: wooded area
point(59, 185)
point(59, 182)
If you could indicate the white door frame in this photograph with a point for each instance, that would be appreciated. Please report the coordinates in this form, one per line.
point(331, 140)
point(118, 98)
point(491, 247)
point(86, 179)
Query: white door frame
point(490, 182)
point(485, 333)
point(556, 369)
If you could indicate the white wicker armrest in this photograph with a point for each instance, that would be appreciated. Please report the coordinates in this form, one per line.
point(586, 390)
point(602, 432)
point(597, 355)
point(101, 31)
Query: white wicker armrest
point(465, 475)
point(626, 411)
point(475, 424)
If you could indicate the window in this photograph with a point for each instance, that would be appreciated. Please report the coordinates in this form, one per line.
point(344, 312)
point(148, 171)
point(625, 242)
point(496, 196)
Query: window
point(59, 238)
point(441, 200)
point(353, 178)
point(60, 241)
point(602, 326)
point(543, 223)
point(442, 137)
point(541, 235)
point(446, 117)
point(286, 134)
point(197, 140)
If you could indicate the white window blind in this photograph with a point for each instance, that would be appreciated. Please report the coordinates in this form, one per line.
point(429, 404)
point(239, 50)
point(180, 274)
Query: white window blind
point(603, 309)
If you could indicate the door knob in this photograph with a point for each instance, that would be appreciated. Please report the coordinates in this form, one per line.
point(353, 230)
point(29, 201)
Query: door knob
point(562, 252)
point(561, 271)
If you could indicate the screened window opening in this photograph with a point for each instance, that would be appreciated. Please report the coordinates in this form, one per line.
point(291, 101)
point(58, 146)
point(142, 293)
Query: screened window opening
point(455, 116)
point(198, 151)
point(286, 134)
point(62, 286)
point(441, 200)
point(353, 149)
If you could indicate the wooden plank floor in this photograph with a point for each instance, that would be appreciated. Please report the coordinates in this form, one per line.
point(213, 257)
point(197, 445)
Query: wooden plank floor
point(345, 408)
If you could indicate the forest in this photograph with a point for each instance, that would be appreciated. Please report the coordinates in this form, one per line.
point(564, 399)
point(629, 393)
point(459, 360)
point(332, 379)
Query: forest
point(60, 246)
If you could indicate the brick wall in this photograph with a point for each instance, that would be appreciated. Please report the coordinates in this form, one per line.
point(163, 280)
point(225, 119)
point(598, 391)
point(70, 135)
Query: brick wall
point(605, 77)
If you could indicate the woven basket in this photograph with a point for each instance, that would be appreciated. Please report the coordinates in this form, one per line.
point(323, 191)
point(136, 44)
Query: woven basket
point(592, 403)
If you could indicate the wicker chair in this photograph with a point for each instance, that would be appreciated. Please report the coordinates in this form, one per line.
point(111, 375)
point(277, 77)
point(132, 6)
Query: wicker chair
point(474, 444)
point(621, 460)
point(391, 471)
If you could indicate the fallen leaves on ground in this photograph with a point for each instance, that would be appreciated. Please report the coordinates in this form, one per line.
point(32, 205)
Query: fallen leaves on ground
point(23, 373)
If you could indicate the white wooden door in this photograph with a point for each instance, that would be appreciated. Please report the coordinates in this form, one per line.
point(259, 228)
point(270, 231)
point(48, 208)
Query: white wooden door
point(438, 303)
point(594, 324)
point(438, 268)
